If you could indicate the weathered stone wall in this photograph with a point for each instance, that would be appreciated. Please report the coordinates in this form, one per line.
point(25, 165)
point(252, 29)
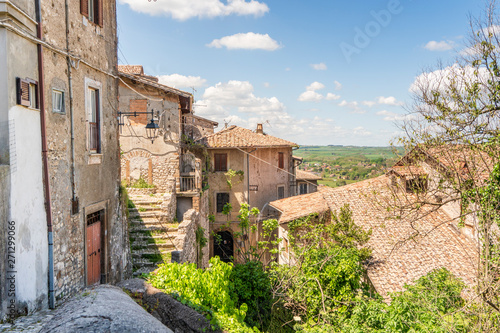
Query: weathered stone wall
point(95, 175)
point(4, 216)
point(161, 171)
point(186, 238)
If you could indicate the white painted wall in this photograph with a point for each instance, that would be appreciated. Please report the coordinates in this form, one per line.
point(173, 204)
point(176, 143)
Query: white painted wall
point(27, 208)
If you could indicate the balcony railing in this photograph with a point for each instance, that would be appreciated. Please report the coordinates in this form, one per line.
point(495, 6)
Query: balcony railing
point(187, 183)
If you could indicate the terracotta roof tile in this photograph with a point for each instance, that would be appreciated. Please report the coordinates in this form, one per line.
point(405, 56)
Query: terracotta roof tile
point(238, 137)
point(131, 69)
point(301, 174)
point(404, 249)
point(299, 206)
point(408, 171)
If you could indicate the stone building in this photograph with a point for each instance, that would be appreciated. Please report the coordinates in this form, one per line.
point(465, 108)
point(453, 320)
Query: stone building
point(406, 243)
point(59, 147)
point(245, 167)
point(307, 182)
point(169, 162)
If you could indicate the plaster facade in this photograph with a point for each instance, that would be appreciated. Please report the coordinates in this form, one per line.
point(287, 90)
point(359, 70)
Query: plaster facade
point(81, 180)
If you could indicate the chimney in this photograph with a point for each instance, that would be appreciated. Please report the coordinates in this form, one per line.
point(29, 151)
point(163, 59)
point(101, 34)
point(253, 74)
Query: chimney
point(259, 129)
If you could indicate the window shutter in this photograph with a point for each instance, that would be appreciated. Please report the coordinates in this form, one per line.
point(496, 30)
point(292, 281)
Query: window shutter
point(224, 162)
point(281, 160)
point(23, 92)
point(99, 12)
point(84, 7)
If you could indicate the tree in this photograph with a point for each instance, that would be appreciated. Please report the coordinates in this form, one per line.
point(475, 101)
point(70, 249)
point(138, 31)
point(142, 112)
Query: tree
point(455, 117)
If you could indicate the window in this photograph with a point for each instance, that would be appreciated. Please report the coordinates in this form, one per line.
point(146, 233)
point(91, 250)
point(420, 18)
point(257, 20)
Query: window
point(27, 92)
point(281, 160)
point(281, 192)
point(58, 101)
point(92, 9)
point(222, 199)
point(302, 188)
point(220, 162)
point(93, 106)
point(416, 185)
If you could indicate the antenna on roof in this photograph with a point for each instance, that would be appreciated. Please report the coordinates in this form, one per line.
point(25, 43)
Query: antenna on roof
point(226, 123)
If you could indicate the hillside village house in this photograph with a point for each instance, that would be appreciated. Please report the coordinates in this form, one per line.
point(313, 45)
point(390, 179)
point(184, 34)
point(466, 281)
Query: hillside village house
point(307, 182)
point(59, 153)
point(245, 167)
point(405, 248)
point(164, 162)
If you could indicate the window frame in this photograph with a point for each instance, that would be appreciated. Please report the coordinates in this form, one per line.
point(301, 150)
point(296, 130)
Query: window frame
point(303, 185)
point(217, 162)
point(62, 110)
point(222, 203)
point(27, 93)
point(278, 191)
point(281, 160)
point(92, 10)
point(96, 86)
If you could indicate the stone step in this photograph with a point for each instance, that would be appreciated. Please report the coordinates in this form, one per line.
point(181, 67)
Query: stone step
point(169, 245)
point(148, 224)
point(150, 254)
point(151, 228)
point(144, 209)
point(149, 217)
point(144, 235)
point(143, 270)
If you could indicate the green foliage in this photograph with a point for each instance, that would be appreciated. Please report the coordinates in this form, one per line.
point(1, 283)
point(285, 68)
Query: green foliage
point(432, 304)
point(208, 291)
point(141, 183)
point(252, 286)
point(327, 277)
point(230, 174)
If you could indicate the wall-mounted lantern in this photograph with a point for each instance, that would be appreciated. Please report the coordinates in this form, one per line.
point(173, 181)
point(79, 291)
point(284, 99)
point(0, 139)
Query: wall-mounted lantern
point(152, 128)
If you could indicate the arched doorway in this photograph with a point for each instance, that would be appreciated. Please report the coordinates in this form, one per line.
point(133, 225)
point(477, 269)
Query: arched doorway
point(223, 246)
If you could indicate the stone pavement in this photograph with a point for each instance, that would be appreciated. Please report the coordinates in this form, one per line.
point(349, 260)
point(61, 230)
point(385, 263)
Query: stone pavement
point(100, 309)
point(28, 324)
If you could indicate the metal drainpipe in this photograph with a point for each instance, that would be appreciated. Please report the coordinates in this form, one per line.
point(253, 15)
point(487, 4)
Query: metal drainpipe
point(45, 162)
point(72, 127)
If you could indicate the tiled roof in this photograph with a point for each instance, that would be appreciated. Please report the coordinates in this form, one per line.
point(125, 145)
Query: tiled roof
point(403, 249)
point(145, 80)
point(299, 206)
point(301, 174)
point(131, 69)
point(238, 137)
point(408, 171)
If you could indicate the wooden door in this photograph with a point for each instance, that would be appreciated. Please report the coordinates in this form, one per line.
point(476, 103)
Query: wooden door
point(93, 249)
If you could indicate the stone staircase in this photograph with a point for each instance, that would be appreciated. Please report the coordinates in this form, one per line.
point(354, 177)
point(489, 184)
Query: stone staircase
point(151, 241)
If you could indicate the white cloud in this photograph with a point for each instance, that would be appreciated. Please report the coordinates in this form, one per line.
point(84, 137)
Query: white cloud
point(288, 69)
point(443, 45)
point(234, 102)
point(246, 41)
point(183, 10)
point(361, 131)
point(319, 67)
point(369, 103)
point(353, 106)
point(332, 97)
point(315, 86)
point(310, 96)
point(388, 101)
point(383, 101)
point(393, 117)
point(338, 85)
point(266, 84)
point(181, 81)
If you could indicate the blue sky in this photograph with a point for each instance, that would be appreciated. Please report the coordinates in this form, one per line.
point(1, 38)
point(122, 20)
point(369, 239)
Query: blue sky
point(314, 72)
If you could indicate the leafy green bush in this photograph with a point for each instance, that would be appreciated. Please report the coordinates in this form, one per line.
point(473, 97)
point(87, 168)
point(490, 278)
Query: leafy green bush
point(252, 286)
point(141, 183)
point(207, 291)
